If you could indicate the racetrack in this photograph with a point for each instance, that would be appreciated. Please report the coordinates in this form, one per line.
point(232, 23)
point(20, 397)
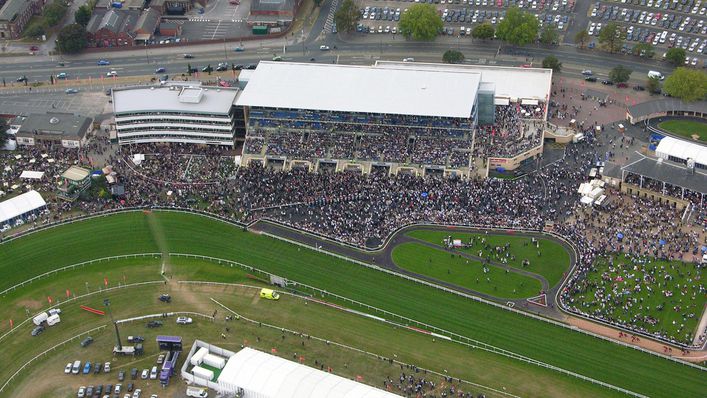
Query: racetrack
point(541, 341)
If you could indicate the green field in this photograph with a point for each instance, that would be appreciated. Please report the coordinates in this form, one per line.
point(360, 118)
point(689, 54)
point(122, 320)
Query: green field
point(541, 341)
point(685, 128)
point(675, 317)
point(553, 262)
point(459, 271)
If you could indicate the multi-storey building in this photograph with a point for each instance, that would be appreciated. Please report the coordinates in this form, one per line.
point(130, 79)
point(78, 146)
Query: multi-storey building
point(15, 14)
point(175, 112)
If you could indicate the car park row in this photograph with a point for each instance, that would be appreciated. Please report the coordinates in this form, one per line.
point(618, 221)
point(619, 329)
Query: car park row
point(110, 390)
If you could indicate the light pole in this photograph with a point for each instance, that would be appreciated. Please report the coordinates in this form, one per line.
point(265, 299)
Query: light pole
point(106, 302)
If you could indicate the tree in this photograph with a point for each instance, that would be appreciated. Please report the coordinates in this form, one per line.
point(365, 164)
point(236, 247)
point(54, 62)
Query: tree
point(581, 38)
point(620, 74)
point(72, 39)
point(318, 3)
point(653, 85)
point(518, 28)
point(483, 31)
point(612, 37)
point(549, 35)
point(676, 56)
point(552, 62)
point(346, 17)
point(54, 12)
point(34, 30)
point(4, 137)
point(82, 15)
point(643, 50)
point(453, 57)
point(420, 22)
point(687, 84)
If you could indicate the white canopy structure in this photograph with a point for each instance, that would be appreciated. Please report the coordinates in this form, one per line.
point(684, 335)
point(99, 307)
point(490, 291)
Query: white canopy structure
point(32, 175)
point(681, 149)
point(262, 375)
point(18, 206)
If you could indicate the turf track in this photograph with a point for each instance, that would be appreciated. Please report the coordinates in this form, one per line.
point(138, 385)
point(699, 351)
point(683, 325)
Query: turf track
point(129, 233)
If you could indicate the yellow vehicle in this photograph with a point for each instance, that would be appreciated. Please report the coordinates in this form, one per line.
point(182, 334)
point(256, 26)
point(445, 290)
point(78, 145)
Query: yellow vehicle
point(269, 294)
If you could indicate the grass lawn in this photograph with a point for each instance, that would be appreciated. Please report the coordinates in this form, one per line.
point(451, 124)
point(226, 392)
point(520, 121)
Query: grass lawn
point(553, 262)
point(541, 341)
point(685, 128)
point(460, 271)
point(675, 317)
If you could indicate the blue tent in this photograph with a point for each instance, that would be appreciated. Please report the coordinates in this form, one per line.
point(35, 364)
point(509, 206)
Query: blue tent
point(662, 242)
point(424, 194)
point(619, 236)
point(501, 169)
point(704, 249)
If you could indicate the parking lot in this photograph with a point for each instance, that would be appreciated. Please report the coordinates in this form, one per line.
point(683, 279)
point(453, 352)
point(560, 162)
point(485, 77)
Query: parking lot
point(220, 20)
point(662, 23)
point(461, 16)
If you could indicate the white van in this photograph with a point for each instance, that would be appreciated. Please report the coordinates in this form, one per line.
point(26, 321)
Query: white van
point(76, 368)
point(197, 392)
point(40, 318)
point(53, 320)
point(656, 74)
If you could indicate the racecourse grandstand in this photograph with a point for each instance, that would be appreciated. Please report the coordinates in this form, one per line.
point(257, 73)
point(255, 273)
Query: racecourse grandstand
point(427, 119)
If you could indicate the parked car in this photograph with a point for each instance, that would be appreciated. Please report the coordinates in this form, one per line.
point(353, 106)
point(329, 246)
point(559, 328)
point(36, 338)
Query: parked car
point(103, 62)
point(82, 392)
point(71, 90)
point(87, 341)
point(154, 324)
point(106, 367)
point(184, 320)
point(160, 359)
point(590, 79)
point(87, 368)
point(34, 48)
point(587, 72)
point(97, 367)
point(37, 331)
point(165, 298)
point(133, 373)
point(89, 391)
point(67, 368)
point(621, 85)
point(135, 339)
point(607, 82)
point(153, 373)
point(130, 387)
point(121, 375)
point(137, 393)
point(117, 389)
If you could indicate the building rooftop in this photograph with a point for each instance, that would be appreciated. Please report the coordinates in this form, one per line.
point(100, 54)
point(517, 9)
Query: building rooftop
point(681, 149)
point(272, 5)
point(127, 4)
point(115, 20)
point(75, 173)
point(511, 82)
point(171, 98)
point(12, 8)
point(670, 173)
point(65, 124)
point(364, 89)
point(666, 104)
point(148, 21)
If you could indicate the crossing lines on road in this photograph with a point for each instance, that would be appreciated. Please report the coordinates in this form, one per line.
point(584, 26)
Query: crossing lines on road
point(330, 16)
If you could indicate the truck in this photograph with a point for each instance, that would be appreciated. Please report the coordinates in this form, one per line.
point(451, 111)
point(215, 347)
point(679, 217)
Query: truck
point(197, 392)
point(37, 320)
point(655, 74)
point(53, 320)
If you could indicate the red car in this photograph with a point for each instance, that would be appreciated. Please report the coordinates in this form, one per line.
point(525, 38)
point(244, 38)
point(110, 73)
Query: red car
point(622, 85)
point(34, 48)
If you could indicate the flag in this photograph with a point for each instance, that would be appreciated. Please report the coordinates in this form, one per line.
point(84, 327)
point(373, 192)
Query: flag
point(12, 324)
point(68, 293)
point(49, 299)
point(273, 350)
point(105, 281)
point(301, 359)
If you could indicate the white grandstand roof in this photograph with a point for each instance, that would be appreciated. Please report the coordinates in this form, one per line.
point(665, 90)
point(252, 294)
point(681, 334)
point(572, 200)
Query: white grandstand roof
point(20, 205)
point(681, 149)
point(208, 100)
point(267, 376)
point(511, 82)
point(364, 89)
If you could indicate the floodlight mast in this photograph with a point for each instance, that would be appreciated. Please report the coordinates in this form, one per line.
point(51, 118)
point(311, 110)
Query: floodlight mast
point(106, 302)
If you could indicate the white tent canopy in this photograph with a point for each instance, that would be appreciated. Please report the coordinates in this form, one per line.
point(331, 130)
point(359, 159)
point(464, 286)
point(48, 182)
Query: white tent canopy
point(32, 175)
point(262, 375)
point(681, 149)
point(20, 205)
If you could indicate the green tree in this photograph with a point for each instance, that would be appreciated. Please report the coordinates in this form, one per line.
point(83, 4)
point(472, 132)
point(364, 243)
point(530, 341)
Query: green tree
point(4, 137)
point(581, 38)
point(346, 17)
point(549, 35)
point(644, 50)
point(687, 84)
point(653, 85)
point(72, 39)
point(420, 22)
point(620, 74)
point(189, 69)
point(54, 12)
point(675, 56)
point(612, 37)
point(551, 62)
point(483, 31)
point(318, 3)
point(453, 57)
point(518, 28)
point(83, 15)
point(34, 30)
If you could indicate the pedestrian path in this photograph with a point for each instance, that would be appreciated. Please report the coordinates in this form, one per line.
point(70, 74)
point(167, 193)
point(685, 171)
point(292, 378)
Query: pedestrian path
point(330, 16)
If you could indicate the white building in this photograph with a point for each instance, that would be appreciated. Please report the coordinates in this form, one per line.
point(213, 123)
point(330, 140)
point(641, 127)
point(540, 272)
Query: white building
point(184, 113)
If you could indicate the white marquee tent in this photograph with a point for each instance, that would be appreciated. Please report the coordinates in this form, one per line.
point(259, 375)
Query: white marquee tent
point(20, 205)
point(262, 375)
point(681, 149)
